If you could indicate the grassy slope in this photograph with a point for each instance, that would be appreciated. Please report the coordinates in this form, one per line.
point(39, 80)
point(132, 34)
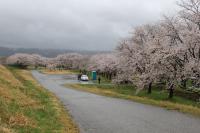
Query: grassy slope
point(128, 92)
point(27, 107)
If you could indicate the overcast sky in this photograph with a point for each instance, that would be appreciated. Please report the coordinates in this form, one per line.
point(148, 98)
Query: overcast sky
point(75, 24)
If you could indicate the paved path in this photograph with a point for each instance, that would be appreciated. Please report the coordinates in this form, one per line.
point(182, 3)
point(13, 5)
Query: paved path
point(99, 114)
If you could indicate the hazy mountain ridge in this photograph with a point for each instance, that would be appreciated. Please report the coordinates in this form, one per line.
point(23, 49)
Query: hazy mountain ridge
point(4, 51)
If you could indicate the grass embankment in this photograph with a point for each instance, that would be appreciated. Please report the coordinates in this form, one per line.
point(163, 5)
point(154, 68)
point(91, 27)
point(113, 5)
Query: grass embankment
point(158, 98)
point(48, 71)
point(26, 107)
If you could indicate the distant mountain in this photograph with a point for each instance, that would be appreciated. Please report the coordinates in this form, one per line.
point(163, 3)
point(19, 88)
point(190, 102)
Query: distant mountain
point(4, 51)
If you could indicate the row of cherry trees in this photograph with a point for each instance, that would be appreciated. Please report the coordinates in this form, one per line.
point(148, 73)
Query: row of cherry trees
point(25, 60)
point(167, 51)
point(64, 61)
point(105, 64)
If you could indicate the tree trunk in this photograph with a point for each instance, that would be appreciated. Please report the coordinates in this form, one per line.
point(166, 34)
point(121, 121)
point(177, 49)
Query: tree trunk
point(171, 91)
point(149, 88)
point(184, 84)
point(110, 76)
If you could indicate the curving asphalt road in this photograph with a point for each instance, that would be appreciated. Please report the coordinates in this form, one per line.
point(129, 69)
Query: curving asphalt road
point(99, 114)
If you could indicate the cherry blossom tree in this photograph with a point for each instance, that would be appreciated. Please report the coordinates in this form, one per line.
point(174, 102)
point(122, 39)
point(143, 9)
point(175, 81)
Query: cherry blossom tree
point(168, 51)
point(69, 61)
point(25, 60)
point(134, 57)
point(105, 64)
point(21, 60)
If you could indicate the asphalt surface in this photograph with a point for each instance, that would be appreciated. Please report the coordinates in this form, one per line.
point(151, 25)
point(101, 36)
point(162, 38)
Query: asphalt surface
point(99, 114)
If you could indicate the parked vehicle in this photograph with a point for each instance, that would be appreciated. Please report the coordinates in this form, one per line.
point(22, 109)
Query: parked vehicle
point(84, 78)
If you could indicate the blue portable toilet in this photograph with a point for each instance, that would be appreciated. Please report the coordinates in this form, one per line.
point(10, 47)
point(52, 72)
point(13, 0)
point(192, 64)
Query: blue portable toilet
point(94, 75)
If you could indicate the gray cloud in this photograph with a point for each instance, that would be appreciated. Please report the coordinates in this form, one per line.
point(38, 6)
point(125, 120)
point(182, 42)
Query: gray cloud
point(75, 24)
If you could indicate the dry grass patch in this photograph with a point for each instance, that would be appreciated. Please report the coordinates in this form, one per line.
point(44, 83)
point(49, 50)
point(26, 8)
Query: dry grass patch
point(20, 120)
point(7, 76)
point(5, 93)
point(5, 130)
point(25, 106)
point(47, 71)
